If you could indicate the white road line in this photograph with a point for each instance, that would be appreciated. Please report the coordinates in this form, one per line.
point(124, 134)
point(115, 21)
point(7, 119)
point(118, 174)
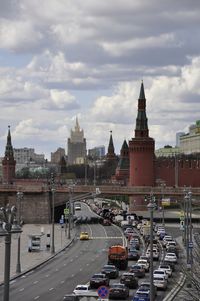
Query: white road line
point(81, 269)
point(57, 270)
point(105, 231)
point(62, 281)
point(35, 282)
point(72, 275)
point(51, 289)
point(47, 275)
point(37, 297)
point(21, 289)
point(90, 230)
point(13, 281)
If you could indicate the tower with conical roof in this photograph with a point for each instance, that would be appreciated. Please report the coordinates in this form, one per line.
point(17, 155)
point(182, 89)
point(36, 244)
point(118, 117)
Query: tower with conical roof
point(8, 162)
point(141, 148)
point(111, 150)
point(122, 170)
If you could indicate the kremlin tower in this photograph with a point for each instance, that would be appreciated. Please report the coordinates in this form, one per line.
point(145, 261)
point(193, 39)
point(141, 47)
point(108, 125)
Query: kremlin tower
point(8, 162)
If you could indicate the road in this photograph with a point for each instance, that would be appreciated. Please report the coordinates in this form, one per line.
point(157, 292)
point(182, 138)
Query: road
point(73, 266)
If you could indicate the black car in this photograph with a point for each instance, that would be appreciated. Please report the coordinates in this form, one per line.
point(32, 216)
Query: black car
point(118, 291)
point(110, 271)
point(133, 254)
point(129, 279)
point(99, 279)
point(138, 270)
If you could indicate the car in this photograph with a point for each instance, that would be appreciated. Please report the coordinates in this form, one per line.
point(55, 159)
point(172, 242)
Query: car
point(144, 263)
point(146, 285)
point(129, 279)
point(145, 257)
point(133, 254)
point(142, 295)
point(84, 236)
point(171, 257)
point(155, 253)
point(170, 263)
point(166, 268)
point(110, 270)
point(70, 297)
point(98, 280)
point(81, 289)
point(158, 273)
point(77, 207)
point(172, 249)
point(138, 270)
point(170, 244)
point(118, 291)
point(160, 282)
point(166, 239)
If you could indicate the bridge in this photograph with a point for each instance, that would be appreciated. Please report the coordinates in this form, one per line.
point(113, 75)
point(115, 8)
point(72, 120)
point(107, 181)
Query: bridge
point(37, 202)
point(104, 189)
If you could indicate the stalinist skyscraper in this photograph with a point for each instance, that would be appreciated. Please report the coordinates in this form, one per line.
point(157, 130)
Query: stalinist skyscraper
point(76, 146)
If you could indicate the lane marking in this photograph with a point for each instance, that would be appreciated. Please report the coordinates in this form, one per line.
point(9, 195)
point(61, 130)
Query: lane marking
point(50, 289)
point(35, 282)
point(21, 289)
point(37, 297)
point(62, 281)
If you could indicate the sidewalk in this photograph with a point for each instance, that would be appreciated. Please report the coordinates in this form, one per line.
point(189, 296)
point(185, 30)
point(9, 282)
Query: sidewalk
point(31, 259)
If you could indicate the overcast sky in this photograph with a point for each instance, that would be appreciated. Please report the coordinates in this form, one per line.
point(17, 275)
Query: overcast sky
point(65, 58)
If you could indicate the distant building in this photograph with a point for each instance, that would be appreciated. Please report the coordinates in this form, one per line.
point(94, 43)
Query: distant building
point(27, 156)
point(57, 156)
point(190, 142)
point(167, 151)
point(76, 146)
point(97, 152)
point(178, 135)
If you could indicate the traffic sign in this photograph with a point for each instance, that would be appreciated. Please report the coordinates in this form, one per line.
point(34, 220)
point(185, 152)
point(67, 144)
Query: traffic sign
point(190, 245)
point(61, 221)
point(66, 211)
point(103, 291)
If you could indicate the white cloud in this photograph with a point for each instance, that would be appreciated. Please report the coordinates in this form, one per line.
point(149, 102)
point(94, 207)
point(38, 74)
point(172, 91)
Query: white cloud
point(62, 58)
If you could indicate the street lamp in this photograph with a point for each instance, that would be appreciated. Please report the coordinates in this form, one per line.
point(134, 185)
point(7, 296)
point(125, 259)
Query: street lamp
point(71, 191)
point(19, 199)
point(163, 185)
point(151, 207)
point(53, 213)
point(8, 226)
point(189, 243)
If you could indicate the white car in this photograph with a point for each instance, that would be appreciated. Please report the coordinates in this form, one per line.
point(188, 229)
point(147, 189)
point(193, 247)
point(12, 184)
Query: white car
point(171, 257)
point(160, 282)
point(81, 289)
point(155, 253)
point(171, 243)
point(158, 273)
point(144, 263)
point(166, 239)
point(166, 268)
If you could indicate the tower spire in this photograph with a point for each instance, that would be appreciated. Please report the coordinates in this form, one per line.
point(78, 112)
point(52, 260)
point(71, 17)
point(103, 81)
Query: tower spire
point(111, 150)
point(141, 129)
point(9, 148)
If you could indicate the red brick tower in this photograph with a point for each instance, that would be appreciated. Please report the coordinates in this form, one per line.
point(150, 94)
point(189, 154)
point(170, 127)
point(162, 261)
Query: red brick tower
point(141, 149)
point(8, 162)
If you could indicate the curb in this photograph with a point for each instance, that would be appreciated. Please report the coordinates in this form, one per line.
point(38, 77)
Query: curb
point(176, 289)
point(42, 262)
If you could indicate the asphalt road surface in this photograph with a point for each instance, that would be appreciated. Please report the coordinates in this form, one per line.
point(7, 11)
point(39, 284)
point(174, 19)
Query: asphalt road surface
point(73, 266)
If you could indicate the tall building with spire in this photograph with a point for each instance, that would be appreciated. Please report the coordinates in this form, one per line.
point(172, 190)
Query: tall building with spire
point(8, 162)
point(111, 150)
point(141, 148)
point(122, 170)
point(76, 146)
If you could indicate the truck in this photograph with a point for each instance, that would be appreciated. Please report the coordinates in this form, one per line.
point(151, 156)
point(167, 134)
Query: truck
point(118, 255)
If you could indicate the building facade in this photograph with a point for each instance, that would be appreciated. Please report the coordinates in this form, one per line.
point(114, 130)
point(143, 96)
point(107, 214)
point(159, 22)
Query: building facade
point(26, 156)
point(190, 142)
point(76, 146)
point(97, 152)
point(57, 156)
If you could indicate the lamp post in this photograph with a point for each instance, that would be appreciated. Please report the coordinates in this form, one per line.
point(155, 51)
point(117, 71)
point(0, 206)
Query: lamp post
point(53, 213)
point(151, 207)
point(163, 185)
point(19, 199)
point(189, 243)
point(8, 226)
